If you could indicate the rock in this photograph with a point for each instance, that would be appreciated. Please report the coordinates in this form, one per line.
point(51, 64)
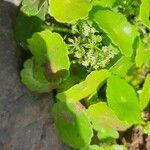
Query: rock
point(26, 121)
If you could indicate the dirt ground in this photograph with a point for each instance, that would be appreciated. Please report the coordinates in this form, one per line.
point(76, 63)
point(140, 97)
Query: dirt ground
point(134, 138)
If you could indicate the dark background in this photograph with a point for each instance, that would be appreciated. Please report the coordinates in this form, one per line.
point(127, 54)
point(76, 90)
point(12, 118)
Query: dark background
point(26, 121)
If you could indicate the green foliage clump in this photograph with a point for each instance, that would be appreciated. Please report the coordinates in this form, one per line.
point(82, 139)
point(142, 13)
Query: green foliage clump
point(96, 54)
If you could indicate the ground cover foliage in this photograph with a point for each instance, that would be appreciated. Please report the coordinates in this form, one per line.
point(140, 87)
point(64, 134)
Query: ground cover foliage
point(96, 54)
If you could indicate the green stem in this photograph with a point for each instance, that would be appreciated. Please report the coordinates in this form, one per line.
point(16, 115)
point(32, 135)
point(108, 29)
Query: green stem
point(58, 29)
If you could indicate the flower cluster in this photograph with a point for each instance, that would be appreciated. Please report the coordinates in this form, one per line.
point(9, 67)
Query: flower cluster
point(88, 48)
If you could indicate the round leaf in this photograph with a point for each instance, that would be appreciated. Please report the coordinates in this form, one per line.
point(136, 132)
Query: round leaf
point(104, 120)
point(72, 124)
point(50, 45)
point(69, 10)
point(123, 99)
point(34, 78)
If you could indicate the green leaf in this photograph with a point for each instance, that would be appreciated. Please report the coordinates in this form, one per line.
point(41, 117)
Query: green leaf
point(145, 12)
point(107, 135)
point(123, 99)
point(114, 147)
point(140, 55)
point(134, 77)
point(146, 128)
point(77, 74)
point(143, 51)
point(118, 29)
point(91, 147)
point(35, 79)
point(104, 3)
point(69, 10)
point(50, 46)
point(32, 7)
point(82, 90)
point(26, 25)
point(72, 124)
point(50, 62)
point(145, 95)
point(147, 55)
point(105, 121)
point(122, 66)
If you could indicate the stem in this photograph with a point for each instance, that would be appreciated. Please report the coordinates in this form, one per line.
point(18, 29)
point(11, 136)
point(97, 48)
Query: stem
point(58, 29)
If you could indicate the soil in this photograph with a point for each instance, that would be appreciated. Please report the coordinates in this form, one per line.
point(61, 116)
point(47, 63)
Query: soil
point(134, 138)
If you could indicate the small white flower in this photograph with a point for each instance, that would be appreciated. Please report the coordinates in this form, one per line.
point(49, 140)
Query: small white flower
point(105, 49)
point(96, 67)
point(89, 54)
point(77, 54)
point(85, 63)
point(103, 63)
